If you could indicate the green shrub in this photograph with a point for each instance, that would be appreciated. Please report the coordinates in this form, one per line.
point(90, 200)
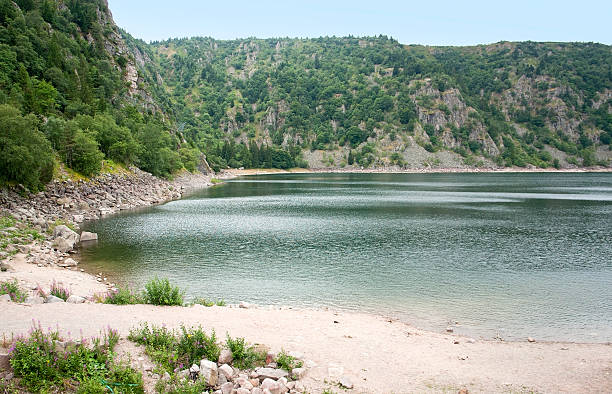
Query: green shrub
point(161, 292)
point(174, 350)
point(287, 362)
point(13, 290)
point(123, 296)
point(44, 366)
point(245, 357)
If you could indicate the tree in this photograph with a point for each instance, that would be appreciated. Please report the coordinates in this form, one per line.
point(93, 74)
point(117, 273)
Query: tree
point(25, 155)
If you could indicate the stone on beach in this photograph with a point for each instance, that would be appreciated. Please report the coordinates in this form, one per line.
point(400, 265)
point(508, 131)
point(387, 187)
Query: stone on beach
point(87, 236)
point(74, 299)
point(208, 371)
point(271, 373)
point(53, 299)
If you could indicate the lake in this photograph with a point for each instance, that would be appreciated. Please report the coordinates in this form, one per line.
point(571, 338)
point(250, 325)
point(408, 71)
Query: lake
point(509, 255)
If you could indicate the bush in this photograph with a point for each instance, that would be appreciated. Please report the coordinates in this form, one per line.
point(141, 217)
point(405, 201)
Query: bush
point(13, 290)
point(245, 357)
point(43, 366)
point(161, 292)
point(176, 350)
point(287, 362)
point(205, 302)
point(25, 155)
point(122, 296)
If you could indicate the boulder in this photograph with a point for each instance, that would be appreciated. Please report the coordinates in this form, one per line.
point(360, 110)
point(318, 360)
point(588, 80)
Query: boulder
point(68, 263)
point(270, 385)
point(272, 373)
point(227, 388)
point(5, 298)
point(78, 218)
point(209, 372)
point(75, 299)
point(65, 238)
point(53, 299)
point(87, 236)
point(226, 370)
point(226, 357)
point(243, 391)
point(25, 249)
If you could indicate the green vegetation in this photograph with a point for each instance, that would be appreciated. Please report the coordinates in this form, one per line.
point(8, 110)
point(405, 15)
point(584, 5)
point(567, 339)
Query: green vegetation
point(65, 96)
point(17, 233)
point(59, 291)
point(13, 290)
point(287, 362)
point(176, 350)
point(161, 292)
point(245, 357)
point(123, 296)
point(205, 302)
point(45, 362)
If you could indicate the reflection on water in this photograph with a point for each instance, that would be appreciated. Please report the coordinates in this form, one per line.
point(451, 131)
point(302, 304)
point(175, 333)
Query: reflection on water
point(508, 254)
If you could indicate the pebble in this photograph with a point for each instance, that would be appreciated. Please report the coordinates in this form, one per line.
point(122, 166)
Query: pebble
point(530, 339)
point(345, 382)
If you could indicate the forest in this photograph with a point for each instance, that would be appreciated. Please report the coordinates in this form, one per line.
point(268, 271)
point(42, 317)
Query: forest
point(76, 92)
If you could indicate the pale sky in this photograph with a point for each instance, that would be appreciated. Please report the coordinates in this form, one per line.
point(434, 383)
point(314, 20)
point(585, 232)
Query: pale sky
point(423, 22)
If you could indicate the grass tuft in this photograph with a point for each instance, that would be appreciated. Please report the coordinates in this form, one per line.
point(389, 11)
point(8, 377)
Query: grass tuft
point(13, 290)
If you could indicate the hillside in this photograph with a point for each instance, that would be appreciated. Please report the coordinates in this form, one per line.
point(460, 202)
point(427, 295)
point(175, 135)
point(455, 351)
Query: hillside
point(75, 90)
point(375, 102)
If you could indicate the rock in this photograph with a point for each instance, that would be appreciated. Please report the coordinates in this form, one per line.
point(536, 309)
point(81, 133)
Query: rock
point(209, 372)
point(345, 382)
point(75, 299)
point(63, 245)
point(66, 233)
point(69, 262)
point(226, 357)
point(270, 385)
point(53, 299)
point(254, 382)
point(257, 390)
point(4, 361)
point(226, 371)
point(298, 373)
point(78, 218)
point(87, 236)
point(449, 329)
point(244, 383)
point(194, 368)
point(243, 391)
point(530, 339)
point(270, 373)
point(227, 388)
point(471, 340)
point(5, 298)
point(35, 300)
point(299, 387)
point(166, 376)
point(245, 305)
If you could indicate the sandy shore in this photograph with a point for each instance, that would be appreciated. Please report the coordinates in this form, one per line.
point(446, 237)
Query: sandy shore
point(380, 356)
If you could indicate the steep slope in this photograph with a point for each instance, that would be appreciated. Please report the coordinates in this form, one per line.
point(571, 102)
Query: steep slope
point(71, 92)
point(374, 102)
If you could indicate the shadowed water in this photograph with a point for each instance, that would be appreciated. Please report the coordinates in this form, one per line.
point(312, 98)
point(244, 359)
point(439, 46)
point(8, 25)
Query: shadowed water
point(507, 254)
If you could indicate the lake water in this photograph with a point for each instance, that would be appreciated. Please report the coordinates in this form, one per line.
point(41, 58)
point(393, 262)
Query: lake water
point(513, 255)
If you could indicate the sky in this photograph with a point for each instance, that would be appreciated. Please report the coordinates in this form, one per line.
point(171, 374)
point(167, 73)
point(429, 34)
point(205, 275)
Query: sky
point(410, 22)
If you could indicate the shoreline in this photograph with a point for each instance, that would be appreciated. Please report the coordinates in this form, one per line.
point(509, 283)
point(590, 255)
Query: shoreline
point(502, 170)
